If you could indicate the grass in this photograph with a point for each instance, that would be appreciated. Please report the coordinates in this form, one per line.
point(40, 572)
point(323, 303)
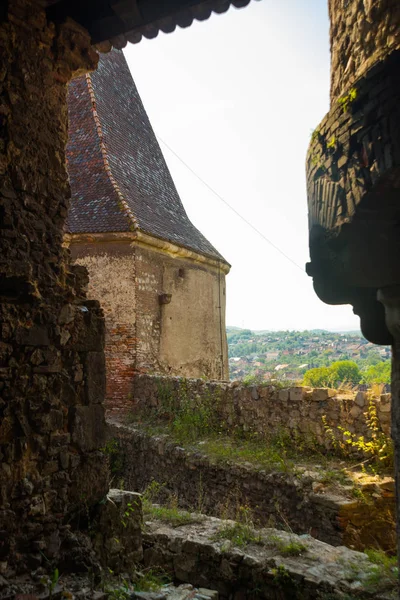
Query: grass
point(291, 548)
point(381, 571)
point(150, 580)
point(171, 515)
point(239, 534)
point(271, 456)
point(194, 423)
point(278, 453)
point(384, 567)
point(333, 476)
point(168, 513)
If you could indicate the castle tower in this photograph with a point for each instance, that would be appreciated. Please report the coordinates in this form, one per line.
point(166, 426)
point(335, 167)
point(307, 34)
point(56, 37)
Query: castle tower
point(159, 280)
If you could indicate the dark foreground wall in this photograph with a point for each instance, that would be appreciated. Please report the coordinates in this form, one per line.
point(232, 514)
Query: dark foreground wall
point(51, 338)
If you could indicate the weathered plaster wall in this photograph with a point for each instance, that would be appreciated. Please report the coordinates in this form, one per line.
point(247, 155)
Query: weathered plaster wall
point(51, 337)
point(188, 336)
point(183, 337)
point(362, 33)
point(264, 409)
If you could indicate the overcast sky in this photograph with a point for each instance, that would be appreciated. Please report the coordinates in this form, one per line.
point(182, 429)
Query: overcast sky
point(236, 98)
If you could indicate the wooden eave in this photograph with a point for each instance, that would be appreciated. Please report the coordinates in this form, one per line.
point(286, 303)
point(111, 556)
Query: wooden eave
point(116, 22)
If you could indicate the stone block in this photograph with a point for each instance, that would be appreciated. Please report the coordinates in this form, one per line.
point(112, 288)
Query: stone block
point(36, 335)
point(283, 395)
point(212, 594)
point(89, 328)
point(90, 477)
point(95, 372)
point(321, 394)
point(87, 427)
point(263, 391)
point(67, 314)
point(298, 393)
point(360, 399)
point(254, 393)
point(355, 412)
point(118, 531)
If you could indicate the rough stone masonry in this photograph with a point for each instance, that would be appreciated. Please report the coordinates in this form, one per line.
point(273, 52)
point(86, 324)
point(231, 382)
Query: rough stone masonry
point(51, 337)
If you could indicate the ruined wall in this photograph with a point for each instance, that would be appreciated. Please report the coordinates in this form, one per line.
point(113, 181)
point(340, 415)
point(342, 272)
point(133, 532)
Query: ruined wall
point(276, 498)
point(265, 409)
point(143, 334)
point(362, 33)
point(51, 337)
point(112, 269)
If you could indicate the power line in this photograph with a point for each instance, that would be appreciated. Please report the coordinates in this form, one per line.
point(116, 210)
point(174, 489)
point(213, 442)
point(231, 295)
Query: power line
point(229, 206)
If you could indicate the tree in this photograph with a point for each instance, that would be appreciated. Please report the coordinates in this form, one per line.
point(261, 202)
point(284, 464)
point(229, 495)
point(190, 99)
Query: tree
point(318, 377)
point(345, 371)
point(341, 371)
point(379, 373)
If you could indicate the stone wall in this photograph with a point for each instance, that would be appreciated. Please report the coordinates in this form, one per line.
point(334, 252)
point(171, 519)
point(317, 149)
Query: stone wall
point(51, 337)
point(276, 498)
point(362, 33)
point(264, 409)
point(184, 336)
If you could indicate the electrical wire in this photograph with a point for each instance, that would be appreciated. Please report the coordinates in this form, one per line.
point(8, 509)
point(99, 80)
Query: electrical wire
point(229, 206)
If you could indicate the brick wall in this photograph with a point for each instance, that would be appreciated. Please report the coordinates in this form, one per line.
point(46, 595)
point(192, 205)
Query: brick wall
point(184, 337)
point(112, 280)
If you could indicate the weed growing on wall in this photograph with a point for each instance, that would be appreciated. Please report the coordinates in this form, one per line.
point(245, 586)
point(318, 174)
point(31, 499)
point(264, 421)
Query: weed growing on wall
point(346, 100)
point(189, 418)
point(242, 532)
point(378, 447)
point(381, 570)
point(116, 459)
point(291, 547)
point(150, 580)
point(169, 512)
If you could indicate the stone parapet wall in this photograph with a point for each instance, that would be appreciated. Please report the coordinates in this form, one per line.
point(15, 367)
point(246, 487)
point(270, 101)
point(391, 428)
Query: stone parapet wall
point(299, 411)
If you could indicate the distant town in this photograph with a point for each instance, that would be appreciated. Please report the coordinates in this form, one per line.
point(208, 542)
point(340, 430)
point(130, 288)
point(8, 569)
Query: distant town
point(267, 355)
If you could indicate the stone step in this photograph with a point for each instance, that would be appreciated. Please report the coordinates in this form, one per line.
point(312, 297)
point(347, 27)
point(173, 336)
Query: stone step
point(278, 565)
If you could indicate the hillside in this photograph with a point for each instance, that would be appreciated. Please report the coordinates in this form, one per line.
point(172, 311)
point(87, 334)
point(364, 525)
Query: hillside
point(289, 354)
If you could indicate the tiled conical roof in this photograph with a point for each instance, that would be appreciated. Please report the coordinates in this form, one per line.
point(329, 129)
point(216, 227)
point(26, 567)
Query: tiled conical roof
point(119, 178)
